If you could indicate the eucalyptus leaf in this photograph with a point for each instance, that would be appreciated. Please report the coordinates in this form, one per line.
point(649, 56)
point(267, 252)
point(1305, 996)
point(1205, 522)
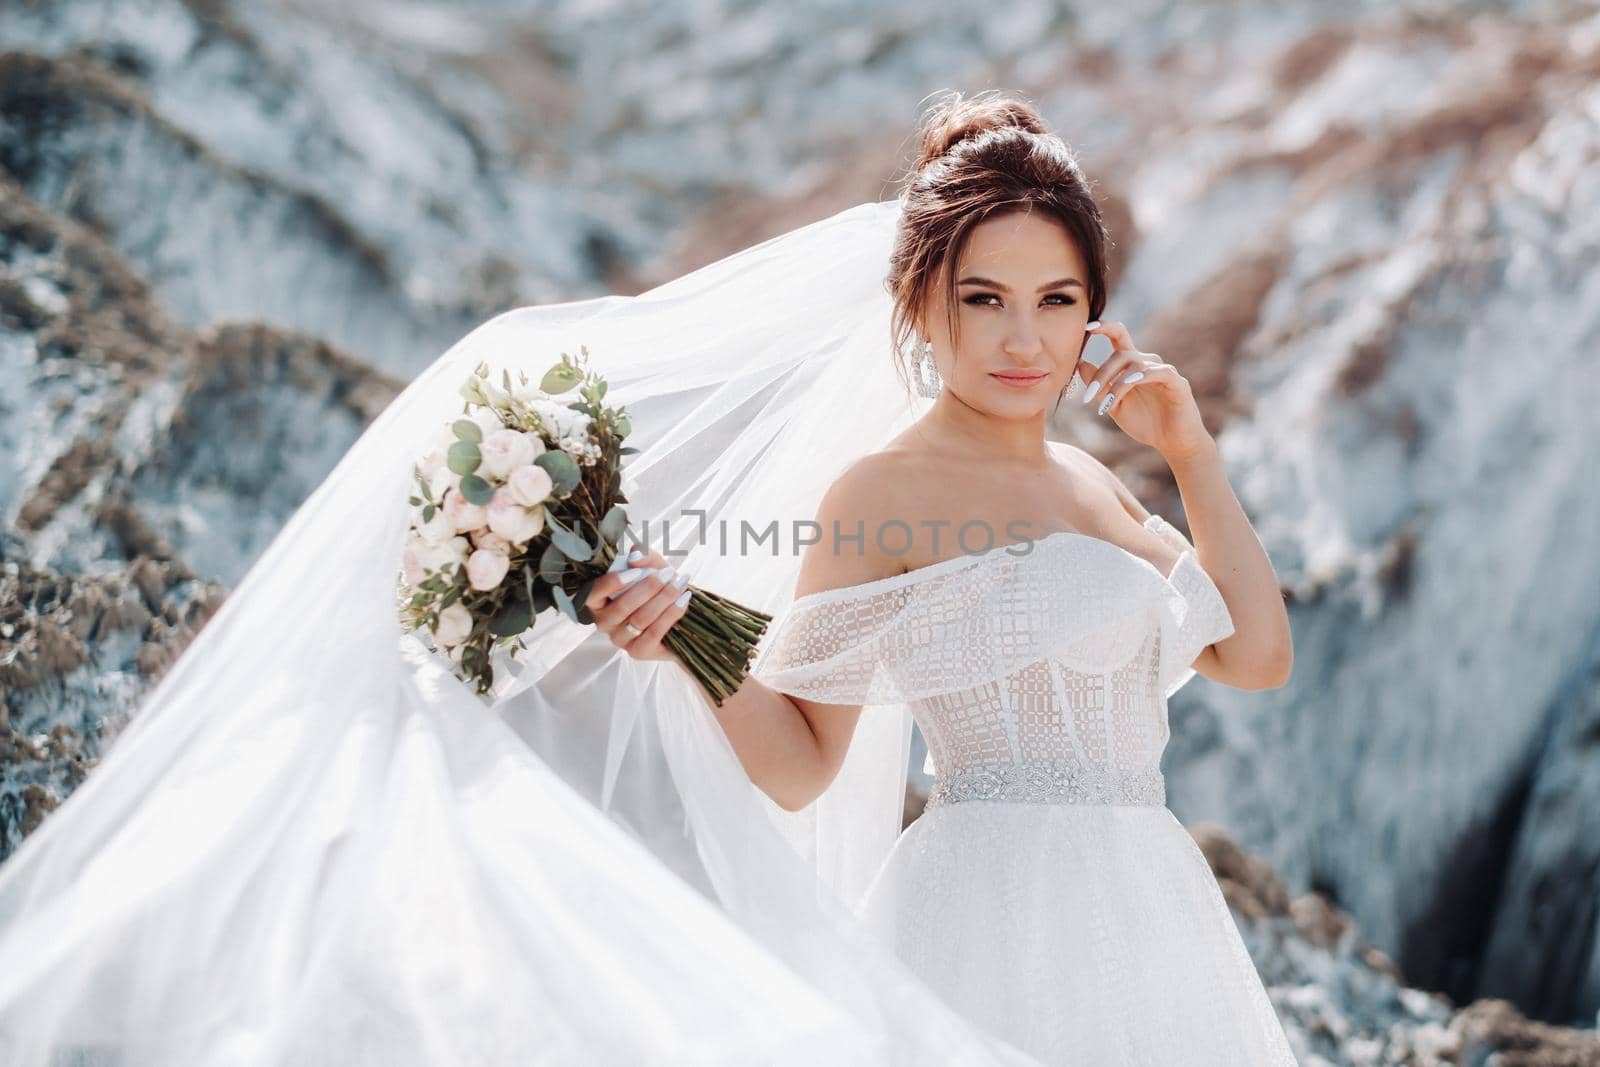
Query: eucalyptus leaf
point(559, 379)
point(562, 469)
point(467, 430)
point(552, 564)
point(511, 619)
point(476, 490)
point(579, 598)
point(613, 525)
point(575, 547)
point(624, 426)
point(427, 512)
point(463, 457)
point(564, 602)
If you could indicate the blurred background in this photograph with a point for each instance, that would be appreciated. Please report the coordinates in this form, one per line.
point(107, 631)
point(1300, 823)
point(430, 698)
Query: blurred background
point(1367, 232)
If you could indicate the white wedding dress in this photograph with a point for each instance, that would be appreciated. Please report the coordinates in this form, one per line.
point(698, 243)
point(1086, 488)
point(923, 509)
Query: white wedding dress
point(1046, 891)
point(313, 845)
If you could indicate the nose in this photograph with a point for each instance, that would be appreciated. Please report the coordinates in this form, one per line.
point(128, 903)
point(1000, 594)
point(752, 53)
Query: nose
point(1023, 341)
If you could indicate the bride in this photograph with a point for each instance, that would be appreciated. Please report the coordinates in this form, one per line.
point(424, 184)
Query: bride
point(315, 845)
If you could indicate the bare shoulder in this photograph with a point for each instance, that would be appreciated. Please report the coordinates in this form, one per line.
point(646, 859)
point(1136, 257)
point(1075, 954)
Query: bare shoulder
point(856, 503)
point(1081, 460)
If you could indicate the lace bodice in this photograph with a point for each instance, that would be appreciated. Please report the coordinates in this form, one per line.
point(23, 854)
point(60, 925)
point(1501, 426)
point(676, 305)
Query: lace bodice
point(1037, 672)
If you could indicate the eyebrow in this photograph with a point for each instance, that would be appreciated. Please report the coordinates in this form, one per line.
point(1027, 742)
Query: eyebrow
point(1059, 283)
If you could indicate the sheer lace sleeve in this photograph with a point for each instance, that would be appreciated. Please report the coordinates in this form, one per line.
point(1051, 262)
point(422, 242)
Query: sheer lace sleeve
point(964, 622)
point(1202, 616)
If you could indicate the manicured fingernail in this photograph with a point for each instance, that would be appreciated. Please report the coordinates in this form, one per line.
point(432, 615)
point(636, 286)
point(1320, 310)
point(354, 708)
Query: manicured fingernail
point(629, 577)
point(1104, 404)
point(1092, 325)
point(665, 572)
point(1135, 376)
point(683, 601)
point(617, 564)
point(635, 556)
point(1094, 387)
point(681, 580)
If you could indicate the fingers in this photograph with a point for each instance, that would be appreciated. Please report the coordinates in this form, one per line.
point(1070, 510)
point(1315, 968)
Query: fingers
point(642, 595)
point(1117, 334)
point(663, 609)
point(1140, 374)
point(1115, 367)
point(616, 580)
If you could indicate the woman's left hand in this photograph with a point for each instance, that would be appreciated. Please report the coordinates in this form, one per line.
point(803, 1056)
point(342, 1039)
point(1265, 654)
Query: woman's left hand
point(1156, 408)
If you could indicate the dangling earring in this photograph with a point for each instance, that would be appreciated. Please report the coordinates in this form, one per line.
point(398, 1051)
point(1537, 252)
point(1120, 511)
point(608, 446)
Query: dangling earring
point(926, 371)
point(1074, 387)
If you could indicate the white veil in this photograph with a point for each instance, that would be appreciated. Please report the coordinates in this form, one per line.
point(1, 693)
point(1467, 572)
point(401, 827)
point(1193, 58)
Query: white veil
point(314, 845)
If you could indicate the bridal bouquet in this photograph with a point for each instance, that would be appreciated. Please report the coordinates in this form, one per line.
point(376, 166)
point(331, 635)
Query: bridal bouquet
point(519, 509)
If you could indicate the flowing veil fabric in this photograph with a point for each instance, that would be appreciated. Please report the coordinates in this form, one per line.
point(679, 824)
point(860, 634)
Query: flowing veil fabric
point(314, 845)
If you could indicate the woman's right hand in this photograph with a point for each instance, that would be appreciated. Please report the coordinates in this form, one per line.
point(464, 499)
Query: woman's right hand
point(636, 605)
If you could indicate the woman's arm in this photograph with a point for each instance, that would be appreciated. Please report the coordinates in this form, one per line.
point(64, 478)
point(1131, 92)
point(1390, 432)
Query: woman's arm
point(1260, 653)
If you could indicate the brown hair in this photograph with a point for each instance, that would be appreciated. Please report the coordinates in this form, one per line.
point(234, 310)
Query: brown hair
point(980, 157)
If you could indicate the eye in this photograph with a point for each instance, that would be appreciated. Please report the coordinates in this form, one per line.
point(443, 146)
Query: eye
point(981, 299)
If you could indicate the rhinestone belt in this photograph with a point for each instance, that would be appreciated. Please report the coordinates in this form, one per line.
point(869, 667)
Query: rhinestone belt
point(1049, 782)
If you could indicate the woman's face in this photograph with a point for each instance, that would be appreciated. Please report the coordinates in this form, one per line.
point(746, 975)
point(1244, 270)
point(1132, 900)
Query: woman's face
point(1022, 303)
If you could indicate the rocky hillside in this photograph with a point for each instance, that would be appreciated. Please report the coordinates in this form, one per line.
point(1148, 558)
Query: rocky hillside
point(229, 233)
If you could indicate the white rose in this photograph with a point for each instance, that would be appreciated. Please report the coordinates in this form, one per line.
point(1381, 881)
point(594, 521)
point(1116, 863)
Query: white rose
point(491, 541)
point(462, 513)
point(485, 569)
point(437, 530)
point(530, 485)
point(411, 560)
point(536, 443)
point(513, 521)
point(455, 625)
point(432, 462)
point(446, 556)
point(502, 452)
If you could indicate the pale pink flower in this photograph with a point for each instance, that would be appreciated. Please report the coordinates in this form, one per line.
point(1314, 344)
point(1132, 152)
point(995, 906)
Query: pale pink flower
point(488, 539)
point(455, 625)
point(513, 521)
point(503, 451)
point(530, 484)
point(485, 569)
point(463, 514)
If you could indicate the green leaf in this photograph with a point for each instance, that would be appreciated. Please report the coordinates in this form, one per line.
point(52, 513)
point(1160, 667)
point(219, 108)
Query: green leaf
point(427, 512)
point(467, 430)
point(505, 378)
point(552, 564)
point(463, 457)
point(476, 490)
point(615, 522)
point(414, 501)
point(559, 379)
point(624, 426)
point(627, 450)
point(570, 543)
point(562, 469)
point(600, 389)
point(579, 599)
point(564, 602)
point(511, 620)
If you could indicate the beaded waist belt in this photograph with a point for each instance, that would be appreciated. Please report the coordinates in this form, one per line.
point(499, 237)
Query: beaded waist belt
point(1049, 782)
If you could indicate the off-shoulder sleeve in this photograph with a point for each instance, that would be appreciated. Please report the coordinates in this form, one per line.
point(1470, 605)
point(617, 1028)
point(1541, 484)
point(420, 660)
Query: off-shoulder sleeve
point(952, 626)
point(830, 647)
point(1197, 615)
